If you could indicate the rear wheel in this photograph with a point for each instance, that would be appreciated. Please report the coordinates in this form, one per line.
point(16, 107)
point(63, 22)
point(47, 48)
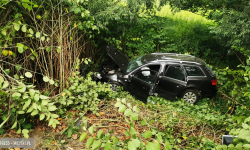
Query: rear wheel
point(190, 96)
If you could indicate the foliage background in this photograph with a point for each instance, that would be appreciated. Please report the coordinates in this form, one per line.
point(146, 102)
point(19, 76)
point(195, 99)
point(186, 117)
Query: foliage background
point(44, 44)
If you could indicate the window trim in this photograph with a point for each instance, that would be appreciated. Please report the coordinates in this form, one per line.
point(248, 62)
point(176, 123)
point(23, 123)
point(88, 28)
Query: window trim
point(205, 75)
point(185, 74)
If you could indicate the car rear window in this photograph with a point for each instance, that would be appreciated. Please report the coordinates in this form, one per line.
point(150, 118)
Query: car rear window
point(210, 71)
point(194, 71)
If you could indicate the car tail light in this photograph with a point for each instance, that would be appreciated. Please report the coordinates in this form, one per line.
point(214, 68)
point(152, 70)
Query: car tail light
point(214, 82)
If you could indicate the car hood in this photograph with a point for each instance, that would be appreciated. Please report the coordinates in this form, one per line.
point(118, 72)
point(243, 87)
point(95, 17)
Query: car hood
point(120, 59)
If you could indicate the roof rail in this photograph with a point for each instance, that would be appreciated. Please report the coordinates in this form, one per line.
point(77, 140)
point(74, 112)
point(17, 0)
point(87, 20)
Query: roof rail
point(172, 54)
point(179, 61)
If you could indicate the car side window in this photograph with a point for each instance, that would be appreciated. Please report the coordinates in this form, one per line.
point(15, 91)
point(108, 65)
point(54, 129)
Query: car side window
point(148, 74)
point(194, 71)
point(175, 72)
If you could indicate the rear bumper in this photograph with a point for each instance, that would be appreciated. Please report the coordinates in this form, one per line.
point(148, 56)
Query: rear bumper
point(209, 94)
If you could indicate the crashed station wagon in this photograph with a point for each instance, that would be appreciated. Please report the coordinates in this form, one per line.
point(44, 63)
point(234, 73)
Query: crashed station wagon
point(168, 75)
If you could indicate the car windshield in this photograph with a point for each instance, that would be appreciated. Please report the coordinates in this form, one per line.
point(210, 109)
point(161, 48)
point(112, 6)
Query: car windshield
point(133, 64)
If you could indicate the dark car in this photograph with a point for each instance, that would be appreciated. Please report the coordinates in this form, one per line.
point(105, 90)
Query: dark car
point(168, 75)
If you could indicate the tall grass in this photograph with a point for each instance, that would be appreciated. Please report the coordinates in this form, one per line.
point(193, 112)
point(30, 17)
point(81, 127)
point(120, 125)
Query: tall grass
point(183, 16)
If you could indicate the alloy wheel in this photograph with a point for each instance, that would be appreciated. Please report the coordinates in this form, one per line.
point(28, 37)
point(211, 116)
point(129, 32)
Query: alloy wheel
point(114, 87)
point(190, 97)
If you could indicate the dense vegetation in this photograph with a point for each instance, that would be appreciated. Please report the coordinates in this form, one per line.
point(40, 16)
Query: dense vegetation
point(44, 45)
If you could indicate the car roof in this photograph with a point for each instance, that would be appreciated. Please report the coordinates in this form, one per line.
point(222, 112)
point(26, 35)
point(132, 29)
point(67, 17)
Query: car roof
point(172, 57)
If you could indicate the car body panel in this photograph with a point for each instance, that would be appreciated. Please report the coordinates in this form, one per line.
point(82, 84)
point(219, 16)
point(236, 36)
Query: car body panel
point(139, 88)
point(169, 88)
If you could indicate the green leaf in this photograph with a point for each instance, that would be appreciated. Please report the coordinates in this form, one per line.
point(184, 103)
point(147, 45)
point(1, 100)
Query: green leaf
point(4, 32)
point(51, 81)
point(159, 138)
point(83, 136)
point(35, 112)
point(16, 77)
point(246, 146)
point(1, 80)
point(20, 47)
point(245, 134)
point(5, 84)
point(118, 104)
point(32, 57)
point(168, 145)
point(135, 109)
point(36, 97)
point(48, 49)
point(42, 116)
point(20, 112)
point(32, 92)
point(89, 142)
point(16, 26)
point(18, 131)
point(22, 88)
point(128, 112)
point(31, 31)
point(52, 108)
point(45, 79)
point(26, 135)
point(16, 94)
point(144, 122)
point(124, 101)
point(150, 146)
point(246, 78)
point(14, 125)
point(42, 38)
point(25, 131)
point(136, 142)
point(18, 67)
point(91, 129)
point(38, 34)
point(132, 131)
point(54, 116)
point(43, 97)
point(147, 134)
point(96, 145)
point(107, 146)
point(28, 75)
point(99, 133)
point(134, 116)
point(127, 133)
point(122, 108)
point(27, 103)
point(7, 71)
point(24, 29)
point(34, 106)
point(51, 120)
point(44, 102)
point(157, 146)
point(30, 109)
point(131, 145)
point(58, 49)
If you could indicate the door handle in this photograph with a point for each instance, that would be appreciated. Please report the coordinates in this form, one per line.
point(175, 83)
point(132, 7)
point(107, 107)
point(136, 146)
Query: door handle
point(178, 86)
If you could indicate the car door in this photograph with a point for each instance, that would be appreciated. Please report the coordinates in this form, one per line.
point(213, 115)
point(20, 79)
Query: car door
point(171, 82)
point(143, 82)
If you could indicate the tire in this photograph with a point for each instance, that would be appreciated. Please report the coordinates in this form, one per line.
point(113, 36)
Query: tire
point(190, 96)
point(114, 86)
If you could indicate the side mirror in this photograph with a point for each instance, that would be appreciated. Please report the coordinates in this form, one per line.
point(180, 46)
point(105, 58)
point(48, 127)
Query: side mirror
point(130, 77)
